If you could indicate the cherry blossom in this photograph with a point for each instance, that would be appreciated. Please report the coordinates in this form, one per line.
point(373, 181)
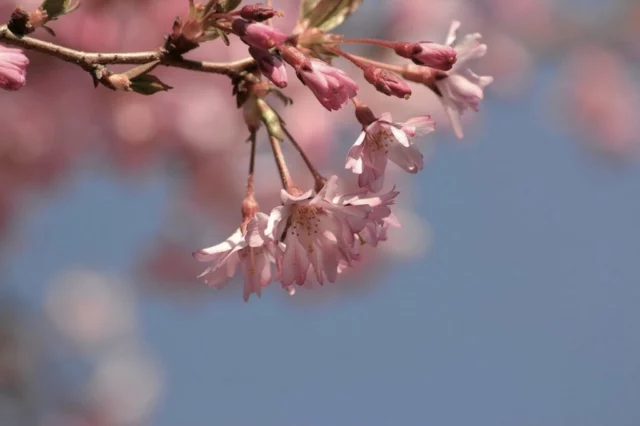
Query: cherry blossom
point(460, 88)
point(382, 140)
point(252, 250)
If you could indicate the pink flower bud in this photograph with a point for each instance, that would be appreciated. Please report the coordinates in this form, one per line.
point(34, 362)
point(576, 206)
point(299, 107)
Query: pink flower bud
point(13, 68)
point(433, 55)
point(332, 86)
point(270, 66)
point(120, 82)
point(258, 12)
point(257, 35)
point(387, 82)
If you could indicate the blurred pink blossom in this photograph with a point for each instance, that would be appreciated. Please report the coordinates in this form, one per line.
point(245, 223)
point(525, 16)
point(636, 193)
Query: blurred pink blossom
point(13, 68)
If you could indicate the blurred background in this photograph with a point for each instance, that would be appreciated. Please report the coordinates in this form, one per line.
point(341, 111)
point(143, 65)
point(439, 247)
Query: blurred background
point(509, 297)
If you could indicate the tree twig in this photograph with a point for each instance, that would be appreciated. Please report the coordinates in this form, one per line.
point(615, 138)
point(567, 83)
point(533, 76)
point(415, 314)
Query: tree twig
point(89, 60)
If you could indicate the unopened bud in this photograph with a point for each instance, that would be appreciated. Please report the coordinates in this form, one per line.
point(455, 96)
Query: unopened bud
point(38, 18)
point(364, 115)
point(433, 55)
point(192, 30)
point(387, 82)
point(119, 82)
point(257, 35)
point(270, 66)
point(259, 12)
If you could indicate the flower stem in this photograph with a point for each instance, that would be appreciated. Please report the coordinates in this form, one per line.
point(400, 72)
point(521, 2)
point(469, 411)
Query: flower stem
point(393, 68)
point(374, 42)
point(269, 3)
point(320, 180)
point(252, 165)
point(285, 176)
point(351, 58)
point(362, 62)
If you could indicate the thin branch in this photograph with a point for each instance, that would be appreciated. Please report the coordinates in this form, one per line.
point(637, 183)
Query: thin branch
point(89, 60)
point(320, 181)
point(285, 176)
point(252, 165)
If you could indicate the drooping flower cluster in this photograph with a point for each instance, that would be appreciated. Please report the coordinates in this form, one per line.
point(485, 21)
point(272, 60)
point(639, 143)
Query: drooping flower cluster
point(318, 233)
point(313, 234)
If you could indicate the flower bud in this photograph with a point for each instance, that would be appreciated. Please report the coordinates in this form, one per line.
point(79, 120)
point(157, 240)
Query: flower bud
point(257, 35)
point(119, 82)
point(433, 55)
point(271, 66)
point(331, 86)
point(387, 82)
point(38, 18)
point(258, 12)
point(13, 68)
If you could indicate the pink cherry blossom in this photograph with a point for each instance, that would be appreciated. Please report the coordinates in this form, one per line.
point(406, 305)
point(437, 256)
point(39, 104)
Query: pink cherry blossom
point(381, 141)
point(460, 88)
point(13, 68)
point(323, 232)
point(332, 86)
point(315, 235)
point(253, 251)
point(374, 226)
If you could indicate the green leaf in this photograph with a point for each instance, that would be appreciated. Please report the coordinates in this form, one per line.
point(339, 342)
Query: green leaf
point(209, 7)
point(226, 6)
point(148, 84)
point(55, 8)
point(327, 14)
point(306, 6)
point(270, 119)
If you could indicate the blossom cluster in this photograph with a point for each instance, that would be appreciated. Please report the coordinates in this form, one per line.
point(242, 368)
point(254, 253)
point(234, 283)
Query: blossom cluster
point(316, 233)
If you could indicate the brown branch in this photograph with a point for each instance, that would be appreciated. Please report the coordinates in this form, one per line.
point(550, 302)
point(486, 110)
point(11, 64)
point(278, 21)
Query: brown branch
point(90, 60)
